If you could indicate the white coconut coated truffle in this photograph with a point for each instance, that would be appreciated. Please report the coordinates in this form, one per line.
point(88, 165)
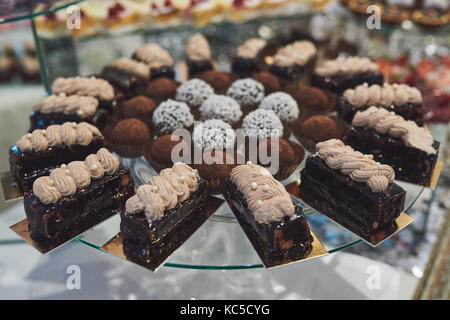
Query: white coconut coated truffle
point(221, 107)
point(171, 115)
point(247, 92)
point(214, 135)
point(284, 106)
point(262, 124)
point(194, 92)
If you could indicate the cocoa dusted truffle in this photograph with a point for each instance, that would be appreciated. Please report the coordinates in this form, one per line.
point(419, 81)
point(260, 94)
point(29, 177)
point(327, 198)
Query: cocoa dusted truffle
point(215, 167)
point(220, 81)
point(290, 155)
point(312, 101)
point(161, 89)
point(128, 137)
point(317, 129)
point(159, 152)
point(270, 82)
point(139, 107)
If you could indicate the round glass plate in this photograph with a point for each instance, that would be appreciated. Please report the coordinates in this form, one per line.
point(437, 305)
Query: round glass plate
point(220, 243)
point(22, 14)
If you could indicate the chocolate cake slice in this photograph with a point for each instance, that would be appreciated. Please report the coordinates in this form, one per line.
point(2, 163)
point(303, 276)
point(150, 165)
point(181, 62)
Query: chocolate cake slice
point(37, 153)
point(275, 226)
point(198, 54)
point(351, 188)
point(294, 61)
point(409, 149)
point(127, 75)
point(246, 62)
point(338, 75)
point(162, 215)
point(61, 108)
point(158, 59)
point(402, 99)
point(76, 197)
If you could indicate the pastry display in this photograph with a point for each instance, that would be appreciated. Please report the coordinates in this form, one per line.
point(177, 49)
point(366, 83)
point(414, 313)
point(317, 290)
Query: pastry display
point(402, 99)
point(128, 137)
point(171, 115)
point(294, 61)
point(409, 149)
point(275, 226)
point(161, 89)
point(37, 153)
point(75, 197)
point(158, 59)
point(351, 188)
point(162, 215)
point(223, 108)
point(285, 107)
point(247, 60)
point(198, 55)
point(194, 92)
point(339, 75)
point(61, 108)
point(159, 152)
point(127, 75)
point(247, 92)
point(219, 81)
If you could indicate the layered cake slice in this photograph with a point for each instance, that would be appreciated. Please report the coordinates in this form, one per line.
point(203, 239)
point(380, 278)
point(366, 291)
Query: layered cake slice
point(158, 59)
point(248, 56)
point(409, 149)
point(402, 99)
point(162, 215)
point(340, 74)
point(276, 227)
point(351, 188)
point(127, 75)
point(37, 153)
point(76, 197)
point(94, 87)
point(294, 61)
point(61, 108)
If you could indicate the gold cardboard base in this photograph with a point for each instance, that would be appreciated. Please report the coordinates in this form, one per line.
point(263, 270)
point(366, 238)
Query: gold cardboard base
point(8, 186)
point(436, 173)
point(21, 229)
point(115, 247)
point(375, 237)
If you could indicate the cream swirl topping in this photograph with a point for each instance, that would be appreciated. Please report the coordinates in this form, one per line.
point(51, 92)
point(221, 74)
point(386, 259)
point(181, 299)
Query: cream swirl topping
point(163, 192)
point(250, 48)
point(383, 121)
point(197, 48)
point(82, 106)
point(83, 86)
point(267, 198)
point(56, 135)
point(360, 167)
point(134, 67)
point(351, 65)
point(153, 55)
point(386, 95)
point(65, 180)
point(299, 53)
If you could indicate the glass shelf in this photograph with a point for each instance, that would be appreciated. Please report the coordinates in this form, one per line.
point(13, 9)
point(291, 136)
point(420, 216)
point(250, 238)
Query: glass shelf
point(22, 14)
point(220, 243)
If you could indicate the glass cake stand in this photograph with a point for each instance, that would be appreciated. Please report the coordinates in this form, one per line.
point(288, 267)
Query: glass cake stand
point(220, 243)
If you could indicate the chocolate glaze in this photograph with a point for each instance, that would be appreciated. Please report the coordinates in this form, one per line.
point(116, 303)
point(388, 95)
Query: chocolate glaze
point(39, 120)
point(340, 82)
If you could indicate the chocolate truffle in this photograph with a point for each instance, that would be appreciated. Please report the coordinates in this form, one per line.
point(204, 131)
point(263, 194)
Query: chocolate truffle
point(290, 155)
point(221, 107)
point(220, 81)
point(270, 82)
point(284, 106)
point(128, 136)
point(213, 134)
point(215, 167)
point(312, 101)
point(320, 128)
point(159, 152)
point(262, 124)
point(161, 89)
point(171, 115)
point(247, 92)
point(139, 107)
point(194, 92)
